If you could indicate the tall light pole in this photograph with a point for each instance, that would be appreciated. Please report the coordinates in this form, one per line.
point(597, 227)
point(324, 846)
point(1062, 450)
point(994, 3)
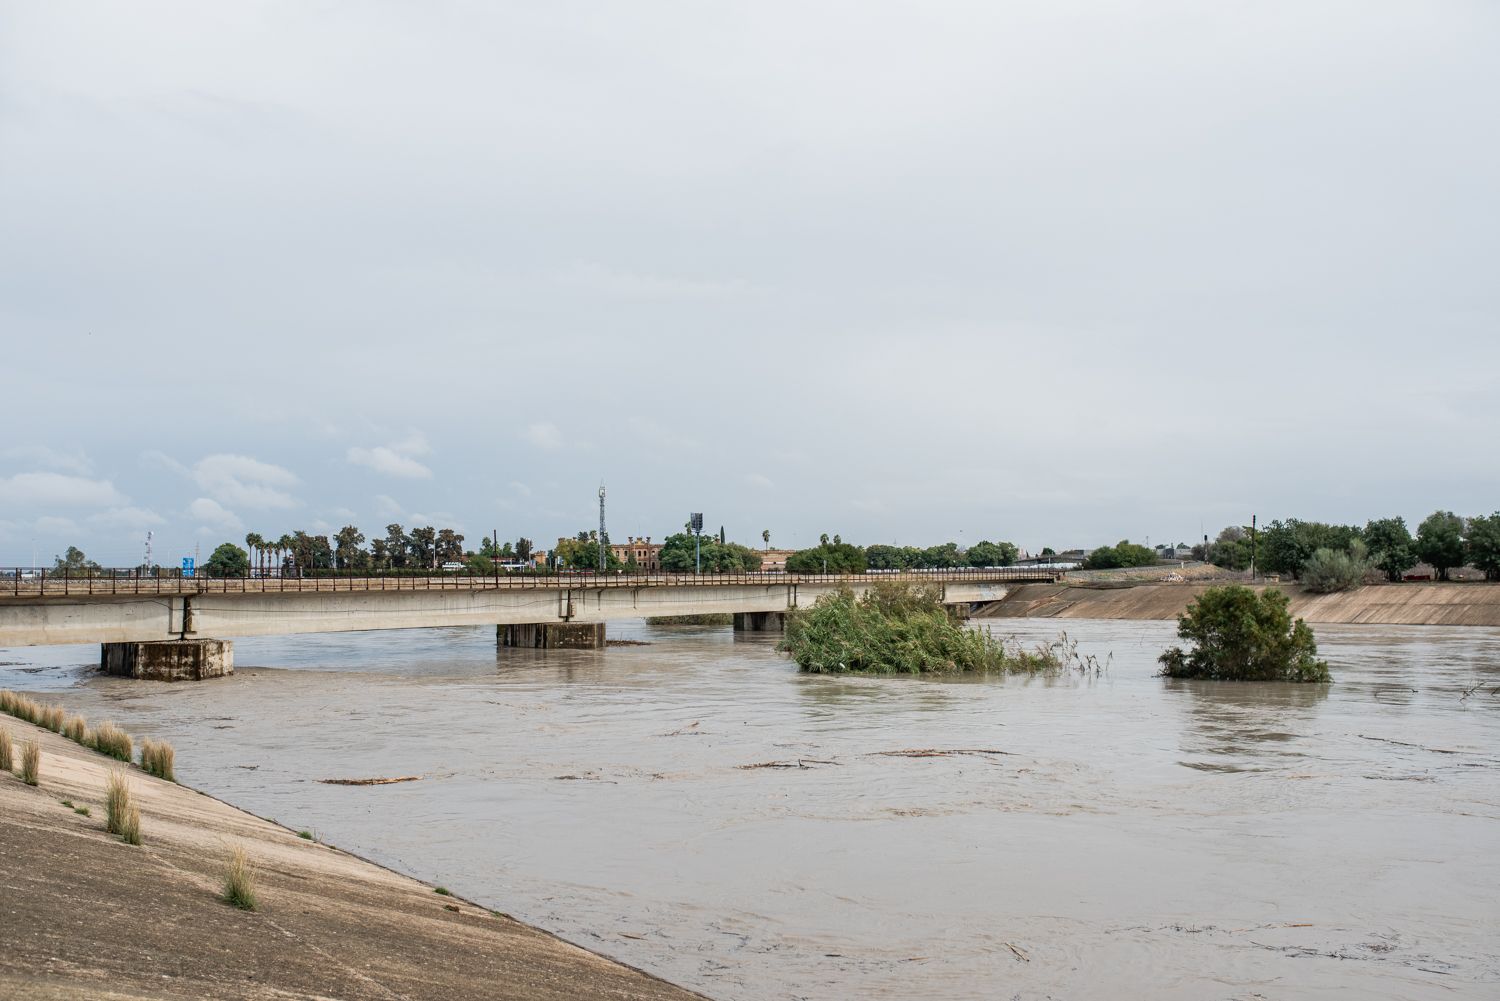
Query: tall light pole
point(695, 521)
point(602, 551)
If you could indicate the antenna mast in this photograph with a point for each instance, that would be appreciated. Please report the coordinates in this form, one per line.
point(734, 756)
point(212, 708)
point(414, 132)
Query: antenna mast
point(603, 553)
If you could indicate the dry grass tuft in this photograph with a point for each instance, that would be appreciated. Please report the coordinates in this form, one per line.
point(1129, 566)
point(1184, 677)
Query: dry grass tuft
point(7, 756)
point(111, 740)
point(117, 802)
point(20, 707)
point(239, 880)
point(130, 827)
point(52, 718)
point(8, 702)
point(31, 761)
point(76, 729)
point(158, 758)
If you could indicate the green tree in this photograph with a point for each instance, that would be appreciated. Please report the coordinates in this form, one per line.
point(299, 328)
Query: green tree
point(1232, 549)
point(831, 557)
point(1484, 544)
point(882, 557)
point(380, 555)
point(1440, 542)
point(992, 554)
point(1123, 554)
point(423, 547)
point(523, 548)
point(228, 560)
point(1391, 548)
point(941, 557)
point(449, 546)
point(677, 556)
point(1239, 635)
point(348, 552)
point(765, 537)
point(397, 546)
point(74, 563)
point(1284, 546)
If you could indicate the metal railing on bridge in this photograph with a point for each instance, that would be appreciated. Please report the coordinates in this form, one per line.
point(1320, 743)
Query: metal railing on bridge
point(22, 582)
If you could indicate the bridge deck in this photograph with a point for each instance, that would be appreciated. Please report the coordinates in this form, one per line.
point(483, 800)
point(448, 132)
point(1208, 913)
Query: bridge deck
point(24, 584)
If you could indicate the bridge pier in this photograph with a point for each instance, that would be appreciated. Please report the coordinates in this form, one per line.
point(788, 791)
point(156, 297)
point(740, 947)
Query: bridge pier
point(759, 622)
point(552, 635)
point(168, 660)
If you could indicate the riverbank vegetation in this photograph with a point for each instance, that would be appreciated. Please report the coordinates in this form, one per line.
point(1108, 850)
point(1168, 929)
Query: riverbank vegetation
point(903, 628)
point(159, 758)
point(1241, 635)
point(31, 761)
point(1444, 541)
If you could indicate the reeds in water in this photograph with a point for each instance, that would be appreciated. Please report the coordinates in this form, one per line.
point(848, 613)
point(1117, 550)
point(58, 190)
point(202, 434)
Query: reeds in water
point(239, 880)
point(7, 755)
point(31, 761)
point(111, 740)
point(158, 758)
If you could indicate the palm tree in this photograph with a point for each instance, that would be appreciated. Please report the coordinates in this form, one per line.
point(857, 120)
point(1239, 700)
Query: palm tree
point(254, 543)
point(765, 536)
point(283, 546)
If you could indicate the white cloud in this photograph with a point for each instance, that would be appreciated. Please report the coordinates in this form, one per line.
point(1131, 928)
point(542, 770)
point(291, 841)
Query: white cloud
point(385, 459)
point(68, 462)
point(38, 489)
point(543, 435)
point(214, 515)
point(126, 518)
point(759, 480)
point(396, 458)
point(520, 488)
point(244, 482)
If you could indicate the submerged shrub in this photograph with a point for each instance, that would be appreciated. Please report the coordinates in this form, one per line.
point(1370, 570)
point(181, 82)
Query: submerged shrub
point(897, 628)
point(158, 758)
point(1239, 635)
point(239, 880)
point(111, 740)
point(7, 760)
point(31, 761)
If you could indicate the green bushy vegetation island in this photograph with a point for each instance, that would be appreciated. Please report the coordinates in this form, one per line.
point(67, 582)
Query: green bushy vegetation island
point(1241, 635)
point(900, 628)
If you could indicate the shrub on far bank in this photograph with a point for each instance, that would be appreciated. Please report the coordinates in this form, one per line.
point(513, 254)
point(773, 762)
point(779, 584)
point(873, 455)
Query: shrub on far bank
point(1239, 635)
point(1330, 570)
point(701, 619)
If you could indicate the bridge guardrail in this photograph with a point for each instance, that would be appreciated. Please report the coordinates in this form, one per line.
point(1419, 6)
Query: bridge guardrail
point(23, 582)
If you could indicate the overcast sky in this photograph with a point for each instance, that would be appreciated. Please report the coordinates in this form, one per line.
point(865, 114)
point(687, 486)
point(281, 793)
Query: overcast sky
point(1050, 272)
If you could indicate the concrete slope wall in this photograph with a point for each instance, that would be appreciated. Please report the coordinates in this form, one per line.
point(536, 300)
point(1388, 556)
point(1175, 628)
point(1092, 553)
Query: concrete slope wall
point(1392, 604)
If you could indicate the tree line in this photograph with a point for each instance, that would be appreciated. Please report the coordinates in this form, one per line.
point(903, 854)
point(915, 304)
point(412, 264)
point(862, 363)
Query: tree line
point(1445, 541)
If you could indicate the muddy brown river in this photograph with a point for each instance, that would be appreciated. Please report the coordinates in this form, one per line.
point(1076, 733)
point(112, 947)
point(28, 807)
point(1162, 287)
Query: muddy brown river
point(1113, 837)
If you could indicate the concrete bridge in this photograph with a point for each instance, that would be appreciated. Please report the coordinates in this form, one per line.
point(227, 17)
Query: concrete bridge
point(166, 621)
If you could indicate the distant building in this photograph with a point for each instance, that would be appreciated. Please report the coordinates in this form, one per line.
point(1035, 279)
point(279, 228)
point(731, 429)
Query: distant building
point(774, 560)
point(645, 553)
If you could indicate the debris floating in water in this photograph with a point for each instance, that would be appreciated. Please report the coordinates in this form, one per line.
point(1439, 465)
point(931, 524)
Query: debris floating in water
point(369, 782)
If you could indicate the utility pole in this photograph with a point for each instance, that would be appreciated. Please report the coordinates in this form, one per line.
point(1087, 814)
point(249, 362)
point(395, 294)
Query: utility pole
point(603, 553)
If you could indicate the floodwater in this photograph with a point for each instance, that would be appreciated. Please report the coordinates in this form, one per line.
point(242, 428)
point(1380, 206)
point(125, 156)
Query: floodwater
point(1113, 837)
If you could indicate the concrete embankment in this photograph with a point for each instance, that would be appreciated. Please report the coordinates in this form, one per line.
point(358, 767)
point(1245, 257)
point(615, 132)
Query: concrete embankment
point(1425, 604)
point(85, 916)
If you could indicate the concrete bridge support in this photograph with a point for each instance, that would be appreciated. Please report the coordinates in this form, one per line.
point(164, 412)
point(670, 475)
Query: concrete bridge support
point(552, 635)
point(759, 622)
point(168, 660)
